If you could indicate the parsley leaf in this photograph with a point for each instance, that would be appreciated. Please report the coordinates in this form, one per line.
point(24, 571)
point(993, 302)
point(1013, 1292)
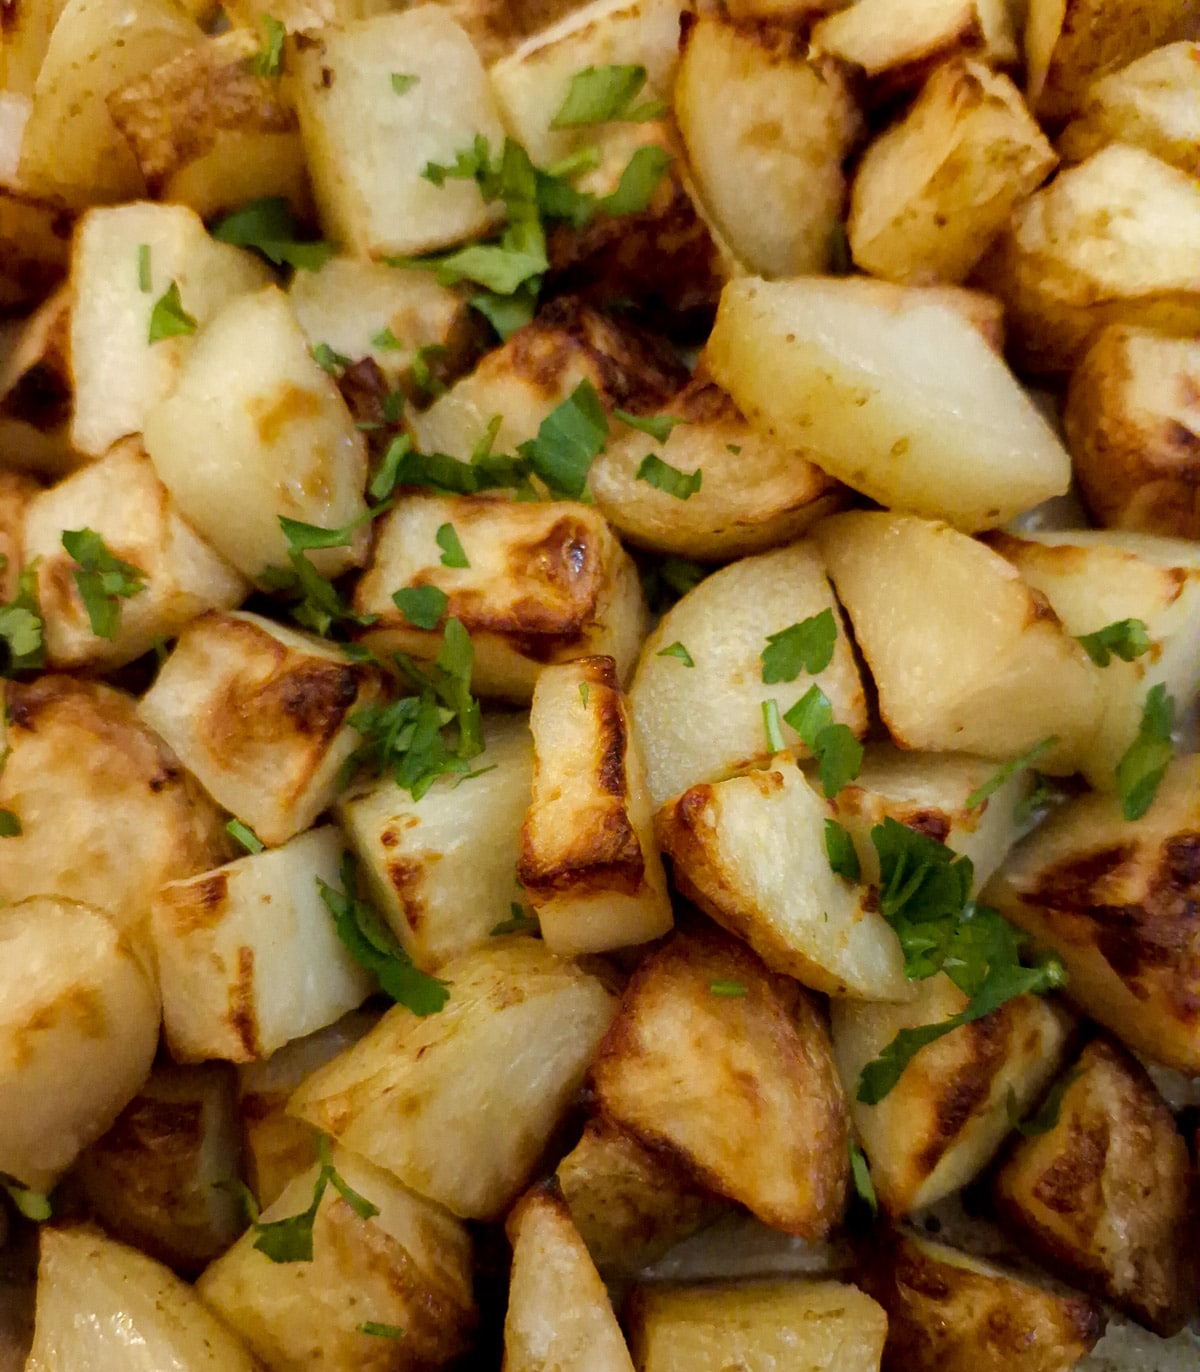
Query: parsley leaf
point(732, 990)
point(21, 626)
point(1147, 758)
point(1046, 1116)
point(373, 945)
point(597, 95)
point(861, 1173)
point(639, 181)
point(1128, 639)
point(506, 313)
point(811, 714)
point(244, 835)
point(373, 1327)
point(10, 825)
point(670, 480)
point(168, 318)
point(385, 340)
point(403, 82)
point(318, 605)
point(327, 359)
point(677, 650)
point(102, 580)
point(268, 61)
point(583, 693)
point(658, 426)
point(422, 606)
point(839, 849)
point(770, 713)
point(838, 753)
point(145, 284)
point(33, 1205)
point(569, 439)
point(807, 646)
point(291, 1239)
point(268, 226)
point(1009, 770)
point(518, 923)
point(452, 549)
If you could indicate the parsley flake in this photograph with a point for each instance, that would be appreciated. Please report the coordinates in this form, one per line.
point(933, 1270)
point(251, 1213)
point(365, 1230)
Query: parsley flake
point(317, 605)
point(10, 825)
point(1045, 1117)
point(373, 1327)
point(770, 713)
point(1147, 758)
point(1009, 770)
point(670, 480)
point(422, 606)
point(732, 990)
point(838, 753)
point(598, 95)
point(569, 439)
point(807, 646)
point(21, 626)
point(1127, 639)
point(840, 850)
point(863, 1185)
point(268, 61)
point(452, 549)
point(291, 1239)
point(168, 318)
point(327, 359)
point(583, 693)
point(518, 922)
point(268, 226)
point(145, 284)
point(677, 650)
point(244, 835)
point(639, 181)
point(403, 82)
point(32, 1205)
point(658, 426)
point(102, 580)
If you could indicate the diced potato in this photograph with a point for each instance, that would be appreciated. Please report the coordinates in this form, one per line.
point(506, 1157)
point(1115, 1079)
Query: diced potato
point(1095, 579)
point(559, 1314)
point(34, 234)
point(547, 582)
point(1112, 241)
point(208, 133)
point(767, 128)
point(1116, 899)
point(950, 1311)
point(1104, 1195)
point(1132, 419)
point(102, 1305)
point(367, 146)
point(259, 713)
point(1153, 103)
point(298, 16)
point(249, 956)
point(122, 499)
point(750, 852)
point(120, 376)
point(157, 1179)
point(589, 860)
point(796, 12)
point(496, 27)
point(78, 1030)
point(409, 1266)
point(941, 1124)
point(71, 150)
point(702, 723)
point(36, 392)
point(16, 492)
point(758, 1326)
point(935, 189)
point(630, 1205)
point(442, 869)
point(982, 665)
point(704, 1021)
point(460, 1105)
point(900, 398)
point(107, 813)
point(256, 430)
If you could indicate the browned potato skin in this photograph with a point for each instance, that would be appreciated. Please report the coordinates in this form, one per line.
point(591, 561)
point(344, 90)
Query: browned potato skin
point(1105, 1195)
point(777, 1144)
point(1132, 419)
point(35, 238)
point(949, 1316)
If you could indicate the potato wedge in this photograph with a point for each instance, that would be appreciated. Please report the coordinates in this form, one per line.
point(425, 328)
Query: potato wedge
point(1116, 899)
point(703, 1020)
point(951, 675)
point(1104, 1195)
point(421, 1097)
point(36, 392)
point(900, 398)
point(1132, 419)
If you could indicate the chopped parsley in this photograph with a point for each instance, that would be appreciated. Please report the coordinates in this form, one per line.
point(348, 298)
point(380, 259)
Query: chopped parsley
point(21, 628)
point(168, 318)
point(386, 341)
point(316, 603)
point(1147, 758)
point(268, 226)
point(327, 359)
point(1046, 1116)
point(518, 922)
point(10, 825)
point(676, 650)
point(1127, 639)
point(771, 724)
point(731, 990)
point(291, 1239)
point(268, 61)
point(1008, 771)
point(422, 606)
point(145, 283)
point(373, 1327)
point(838, 753)
point(571, 436)
point(864, 1187)
point(598, 95)
point(839, 849)
point(668, 579)
point(403, 82)
point(243, 834)
point(103, 581)
point(583, 693)
point(32, 1205)
point(658, 426)
point(452, 549)
point(807, 646)
point(670, 480)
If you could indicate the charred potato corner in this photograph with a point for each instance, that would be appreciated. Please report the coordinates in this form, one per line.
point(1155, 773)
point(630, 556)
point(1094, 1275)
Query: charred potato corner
point(600, 654)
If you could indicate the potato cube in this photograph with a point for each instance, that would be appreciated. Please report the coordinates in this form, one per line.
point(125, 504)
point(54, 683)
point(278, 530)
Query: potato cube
point(1116, 898)
point(983, 666)
point(409, 1266)
point(1104, 1195)
point(121, 499)
point(703, 1021)
point(589, 860)
point(36, 391)
point(423, 1097)
point(79, 1026)
point(367, 145)
point(759, 1326)
point(750, 852)
point(701, 723)
point(248, 955)
point(895, 394)
point(120, 376)
point(942, 1123)
point(157, 1179)
point(255, 430)
point(83, 776)
point(1132, 419)
point(559, 1313)
point(259, 713)
point(443, 869)
point(547, 582)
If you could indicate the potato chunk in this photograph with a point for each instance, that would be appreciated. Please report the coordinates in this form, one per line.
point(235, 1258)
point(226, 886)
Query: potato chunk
point(703, 1021)
point(36, 390)
point(35, 234)
point(935, 189)
point(78, 1030)
point(1104, 1195)
point(255, 430)
point(589, 860)
point(546, 582)
point(421, 1097)
point(260, 714)
point(367, 146)
point(1132, 419)
point(409, 1266)
point(983, 666)
point(1116, 898)
point(83, 775)
point(896, 395)
point(700, 723)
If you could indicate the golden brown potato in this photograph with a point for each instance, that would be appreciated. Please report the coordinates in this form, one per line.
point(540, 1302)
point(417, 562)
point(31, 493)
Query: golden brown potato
point(34, 234)
point(82, 776)
point(496, 27)
point(948, 1312)
point(934, 190)
point(16, 491)
point(36, 392)
point(1104, 1195)
point(1132, 419)
point(1116, 898)
point(703, 1021)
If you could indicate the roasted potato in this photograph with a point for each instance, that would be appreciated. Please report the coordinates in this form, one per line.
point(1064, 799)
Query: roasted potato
point(34, 234)
point(496, 27)
point(36, 392)
point(26, 37)
point(16, 492)
point(1104, 1195)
